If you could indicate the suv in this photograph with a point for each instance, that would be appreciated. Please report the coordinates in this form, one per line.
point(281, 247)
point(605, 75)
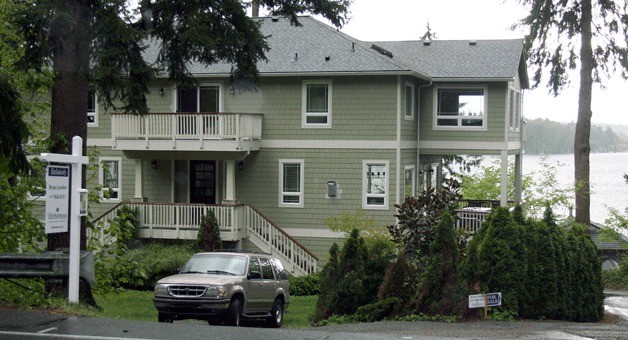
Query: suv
point(225, 287)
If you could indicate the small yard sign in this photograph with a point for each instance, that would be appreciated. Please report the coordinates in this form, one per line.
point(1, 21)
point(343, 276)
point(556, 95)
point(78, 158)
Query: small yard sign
point(476, 301)
point(57, 199)
point(493, 299)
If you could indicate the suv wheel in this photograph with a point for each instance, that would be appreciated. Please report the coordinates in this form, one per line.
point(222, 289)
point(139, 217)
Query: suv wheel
point(163, 317)
point(276, 318)
point(234, 312)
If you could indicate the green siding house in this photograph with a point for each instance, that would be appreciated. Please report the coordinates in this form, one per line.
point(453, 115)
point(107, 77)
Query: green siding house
point(336, 125)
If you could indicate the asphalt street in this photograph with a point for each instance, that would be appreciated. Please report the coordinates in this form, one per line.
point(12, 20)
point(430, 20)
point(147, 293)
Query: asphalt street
point(24, 324)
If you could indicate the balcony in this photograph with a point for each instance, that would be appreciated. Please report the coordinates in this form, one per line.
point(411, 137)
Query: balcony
point(229, 132)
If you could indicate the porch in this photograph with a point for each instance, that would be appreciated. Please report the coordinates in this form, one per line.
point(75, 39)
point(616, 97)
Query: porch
point(237, 222)
point(229, 132)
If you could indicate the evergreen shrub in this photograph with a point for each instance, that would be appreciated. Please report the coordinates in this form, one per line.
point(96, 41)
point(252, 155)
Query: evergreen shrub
point(305, 285)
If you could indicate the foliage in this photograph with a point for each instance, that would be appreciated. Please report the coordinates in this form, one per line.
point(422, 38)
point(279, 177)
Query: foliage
point(418, 217)
point(541, 270)
point(438, 291)
point(208, 238)
point(561, 36)
point(398, 281)
point(616, 278)
point(122, 230)
point(544, 136)
point(20, 229)
point(305, 285)
point(539, 189)
point(377, 311)
point(350, 279)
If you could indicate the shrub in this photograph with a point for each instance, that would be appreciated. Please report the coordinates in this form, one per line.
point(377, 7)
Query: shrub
point(305, 285)
point(616, 278)
point(209, 233)
point(377, 311)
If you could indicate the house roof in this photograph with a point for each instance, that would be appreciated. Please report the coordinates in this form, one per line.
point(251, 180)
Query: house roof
point(313, 48)
point(318, 49)
point(462, 59)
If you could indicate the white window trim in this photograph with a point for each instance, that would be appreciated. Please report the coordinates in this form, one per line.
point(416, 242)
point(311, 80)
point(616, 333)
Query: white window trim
point(175, 96)
point(365, 196)
point(459, 128)
point(101, 179)
point(304, 114)
point(95, 113)
point(413, 103)
point(516, 107)
point(413, 169)
point(301, 195)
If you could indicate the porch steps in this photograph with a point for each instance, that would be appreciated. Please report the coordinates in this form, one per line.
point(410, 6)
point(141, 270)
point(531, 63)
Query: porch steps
point(182, 221)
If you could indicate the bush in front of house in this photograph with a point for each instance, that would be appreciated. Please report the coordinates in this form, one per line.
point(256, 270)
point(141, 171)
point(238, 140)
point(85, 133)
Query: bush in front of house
point(208, 238)
point(542, 270)
point(305, 285)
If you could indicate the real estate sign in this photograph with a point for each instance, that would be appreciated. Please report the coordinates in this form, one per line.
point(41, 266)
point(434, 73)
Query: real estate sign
point(57, 199)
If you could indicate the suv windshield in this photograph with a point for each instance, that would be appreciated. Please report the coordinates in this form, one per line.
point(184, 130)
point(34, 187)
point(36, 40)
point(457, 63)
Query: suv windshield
point(221, 264)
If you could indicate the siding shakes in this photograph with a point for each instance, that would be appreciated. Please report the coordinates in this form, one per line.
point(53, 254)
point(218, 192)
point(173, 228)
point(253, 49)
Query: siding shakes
point(257, 184)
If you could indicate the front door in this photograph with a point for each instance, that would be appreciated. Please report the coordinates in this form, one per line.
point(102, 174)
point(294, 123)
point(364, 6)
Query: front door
point(203, 182)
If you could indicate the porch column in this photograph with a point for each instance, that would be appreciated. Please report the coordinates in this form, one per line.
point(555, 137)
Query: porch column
point(503, 197)
point(230, 182)
point(518, 177)
point(139, 182)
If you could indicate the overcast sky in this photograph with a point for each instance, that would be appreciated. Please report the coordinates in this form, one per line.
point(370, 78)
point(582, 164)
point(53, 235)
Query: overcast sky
point(373, 20)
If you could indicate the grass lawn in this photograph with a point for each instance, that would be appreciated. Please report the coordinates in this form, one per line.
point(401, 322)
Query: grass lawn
point(138, 305)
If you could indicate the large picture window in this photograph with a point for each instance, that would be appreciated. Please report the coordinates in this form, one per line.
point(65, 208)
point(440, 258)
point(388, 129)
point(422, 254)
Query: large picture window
point(461, 108)
point(110, 173)
point(317, 104)
point(375, 185)
point(291, 183)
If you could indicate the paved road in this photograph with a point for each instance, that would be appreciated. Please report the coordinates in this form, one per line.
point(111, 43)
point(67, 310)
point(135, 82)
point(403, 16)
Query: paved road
point(17, 324)
point(20, 324)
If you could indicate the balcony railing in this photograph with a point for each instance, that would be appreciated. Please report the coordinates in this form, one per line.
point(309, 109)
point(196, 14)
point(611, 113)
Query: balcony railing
point(186, 130)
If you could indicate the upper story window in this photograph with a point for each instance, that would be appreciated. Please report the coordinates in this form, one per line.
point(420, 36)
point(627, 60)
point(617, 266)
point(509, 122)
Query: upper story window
point(409, 113)
point(291, 183)
point(198, 99)
point(514, 109)
point(460, 108)
point(375, 185)
point(92, 113)
point(110, 174)
point(317, 104)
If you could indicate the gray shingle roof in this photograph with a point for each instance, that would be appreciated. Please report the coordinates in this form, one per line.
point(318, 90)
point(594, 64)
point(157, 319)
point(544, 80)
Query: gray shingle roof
point(316, 48)
point(453, 59)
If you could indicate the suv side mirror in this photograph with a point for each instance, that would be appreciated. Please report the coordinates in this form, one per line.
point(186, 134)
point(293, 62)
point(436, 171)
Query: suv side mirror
point(254, 275)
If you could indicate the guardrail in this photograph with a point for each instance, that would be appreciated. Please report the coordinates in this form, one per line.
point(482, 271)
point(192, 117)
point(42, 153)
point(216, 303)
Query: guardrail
point(52, 264)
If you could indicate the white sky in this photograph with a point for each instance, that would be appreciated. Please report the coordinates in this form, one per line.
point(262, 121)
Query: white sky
point(373, 20)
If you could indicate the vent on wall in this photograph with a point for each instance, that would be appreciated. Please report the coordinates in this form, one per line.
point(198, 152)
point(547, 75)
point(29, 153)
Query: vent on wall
point(427, 42)
point(382, 50)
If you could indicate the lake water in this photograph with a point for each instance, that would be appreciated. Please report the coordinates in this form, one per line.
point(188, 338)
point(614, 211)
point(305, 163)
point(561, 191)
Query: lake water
point(608, 186)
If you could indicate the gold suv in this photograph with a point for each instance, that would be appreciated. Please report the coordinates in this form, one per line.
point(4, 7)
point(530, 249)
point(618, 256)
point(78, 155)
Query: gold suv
point(225, 287)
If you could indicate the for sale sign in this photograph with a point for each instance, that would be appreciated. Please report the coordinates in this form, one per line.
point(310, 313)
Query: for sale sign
point(57, 199)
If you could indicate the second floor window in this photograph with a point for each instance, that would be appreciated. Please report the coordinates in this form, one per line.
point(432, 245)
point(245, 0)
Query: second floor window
point(198, 99)
point(409, 114)
point(515, 109)
point(91, 107)
point(317, 104)
point(461, 108)
point(375, 185)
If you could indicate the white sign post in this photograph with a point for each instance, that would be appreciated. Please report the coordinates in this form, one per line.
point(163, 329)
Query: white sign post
point(76, 160)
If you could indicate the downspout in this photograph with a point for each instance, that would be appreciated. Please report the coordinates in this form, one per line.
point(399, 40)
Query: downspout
point(398, 151)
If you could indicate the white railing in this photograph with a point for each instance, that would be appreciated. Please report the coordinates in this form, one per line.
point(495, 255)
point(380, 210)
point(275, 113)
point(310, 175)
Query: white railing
point(182, 221)
point(471, 219)
point(199, 126)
